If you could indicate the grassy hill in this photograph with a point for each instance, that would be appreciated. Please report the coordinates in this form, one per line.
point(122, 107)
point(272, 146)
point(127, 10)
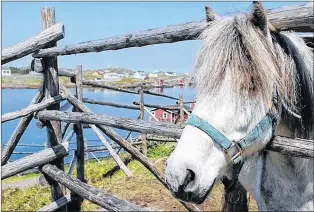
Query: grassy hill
point(143, 189)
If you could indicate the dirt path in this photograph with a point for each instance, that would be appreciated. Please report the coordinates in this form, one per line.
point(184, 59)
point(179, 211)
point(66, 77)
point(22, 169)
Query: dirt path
point(21, 183)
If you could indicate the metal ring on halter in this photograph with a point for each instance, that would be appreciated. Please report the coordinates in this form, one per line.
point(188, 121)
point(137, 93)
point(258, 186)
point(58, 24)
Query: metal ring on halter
point(233, 197)
point(236, 157)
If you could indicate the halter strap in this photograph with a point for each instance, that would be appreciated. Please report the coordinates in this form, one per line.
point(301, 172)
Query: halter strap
point(233, 149)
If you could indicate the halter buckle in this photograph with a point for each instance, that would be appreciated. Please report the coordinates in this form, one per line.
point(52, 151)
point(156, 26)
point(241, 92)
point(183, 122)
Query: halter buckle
point(234, 158)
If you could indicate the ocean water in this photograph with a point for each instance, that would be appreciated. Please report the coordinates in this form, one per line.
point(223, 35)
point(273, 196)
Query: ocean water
point(16, 99)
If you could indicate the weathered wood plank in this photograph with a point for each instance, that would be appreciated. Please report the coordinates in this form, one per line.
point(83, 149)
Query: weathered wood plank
point(37, 159)
point(66, 73)
point(78, 129)
point(298, 18)
point(22, 153)
point(142, 113)
point(300, 147)
point(19, 130)
point(89, 101)
point(127, 146)
point(56, 204)
point(72, 164)
point(32, 108)
point(187, 102)
point(44, 38)
point(169, 34)
point(51, 86)
point(158, 106)
point(103, 148)
point(181, 105)
point(110, 87)
point(114, 155)
point(90, 193)
point(292, 147)
point(77, 200)
point(141, 126)
point(159, 94)
point(65, 129)
point(37, 65)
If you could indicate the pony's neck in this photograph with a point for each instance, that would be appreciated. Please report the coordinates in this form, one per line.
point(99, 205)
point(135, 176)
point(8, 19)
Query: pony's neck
point(287, 182)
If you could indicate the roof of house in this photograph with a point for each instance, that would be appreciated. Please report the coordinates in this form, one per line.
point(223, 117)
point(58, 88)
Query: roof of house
point(141, 72)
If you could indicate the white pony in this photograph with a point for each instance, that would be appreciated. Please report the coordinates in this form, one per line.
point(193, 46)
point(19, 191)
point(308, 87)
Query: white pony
point(242, 60)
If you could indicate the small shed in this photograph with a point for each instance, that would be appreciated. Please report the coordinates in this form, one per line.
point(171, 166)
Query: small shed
point(168, 116)
point(180, 82)
point(5, 71)
point(158, 82)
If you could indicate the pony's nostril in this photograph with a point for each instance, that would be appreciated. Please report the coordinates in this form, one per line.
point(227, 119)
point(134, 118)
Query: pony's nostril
point(190, 176)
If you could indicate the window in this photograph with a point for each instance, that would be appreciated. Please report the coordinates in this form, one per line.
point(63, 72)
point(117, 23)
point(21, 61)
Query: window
point(164, 115)
point(153, 112)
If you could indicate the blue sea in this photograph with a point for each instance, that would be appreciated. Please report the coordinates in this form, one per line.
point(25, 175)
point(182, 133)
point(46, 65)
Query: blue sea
point(16, 99)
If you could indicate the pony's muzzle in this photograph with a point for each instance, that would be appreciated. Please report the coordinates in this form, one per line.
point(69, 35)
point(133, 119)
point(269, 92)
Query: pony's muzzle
point(186, 190)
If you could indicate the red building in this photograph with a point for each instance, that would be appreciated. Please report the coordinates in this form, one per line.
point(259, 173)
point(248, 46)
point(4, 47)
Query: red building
point(158, 82)
point(180, 82)
point(169, 116)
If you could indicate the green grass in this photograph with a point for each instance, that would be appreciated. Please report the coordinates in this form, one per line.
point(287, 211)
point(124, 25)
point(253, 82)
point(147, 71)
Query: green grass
point(17, 178)
point(142, 189)
point(36, 197)
point(27, 81)
point(126, 81)
point(31, 82)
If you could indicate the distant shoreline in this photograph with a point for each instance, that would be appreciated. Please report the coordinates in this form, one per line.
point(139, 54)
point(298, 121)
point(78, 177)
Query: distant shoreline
point(67, 85)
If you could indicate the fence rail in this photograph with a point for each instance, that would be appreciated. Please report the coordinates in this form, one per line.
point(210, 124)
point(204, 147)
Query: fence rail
point(43, 39)
point(297, 18)
point(293, 147)
point(41, 158)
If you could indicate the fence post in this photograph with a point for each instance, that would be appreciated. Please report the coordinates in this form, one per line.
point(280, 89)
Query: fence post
point(181, 105)
point(51, 89)
point(142, 113)
point(77, 200)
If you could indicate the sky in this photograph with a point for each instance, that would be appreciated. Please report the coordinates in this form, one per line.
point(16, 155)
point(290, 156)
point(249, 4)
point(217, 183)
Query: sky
point(85, 21)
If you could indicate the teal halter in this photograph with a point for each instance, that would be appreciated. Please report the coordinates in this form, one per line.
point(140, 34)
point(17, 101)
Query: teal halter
point(233, 149)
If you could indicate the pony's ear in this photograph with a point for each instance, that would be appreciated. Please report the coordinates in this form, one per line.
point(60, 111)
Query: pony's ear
point(258, 17)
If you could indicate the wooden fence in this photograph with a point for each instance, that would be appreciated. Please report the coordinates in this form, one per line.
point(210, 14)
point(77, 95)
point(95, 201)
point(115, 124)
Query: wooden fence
point(45, 107)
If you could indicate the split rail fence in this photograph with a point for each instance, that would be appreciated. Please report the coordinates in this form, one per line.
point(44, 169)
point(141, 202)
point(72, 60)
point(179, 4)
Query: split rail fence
point(45, 107)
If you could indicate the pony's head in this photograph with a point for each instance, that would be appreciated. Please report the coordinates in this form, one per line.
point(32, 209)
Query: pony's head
point(236, 71)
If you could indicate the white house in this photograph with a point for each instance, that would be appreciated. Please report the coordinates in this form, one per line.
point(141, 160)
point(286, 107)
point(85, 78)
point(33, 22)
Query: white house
point(139, 75)
point(153, 75)
point(5, 71)
point(112, 76)
point(124, 75)
point(171, 74)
